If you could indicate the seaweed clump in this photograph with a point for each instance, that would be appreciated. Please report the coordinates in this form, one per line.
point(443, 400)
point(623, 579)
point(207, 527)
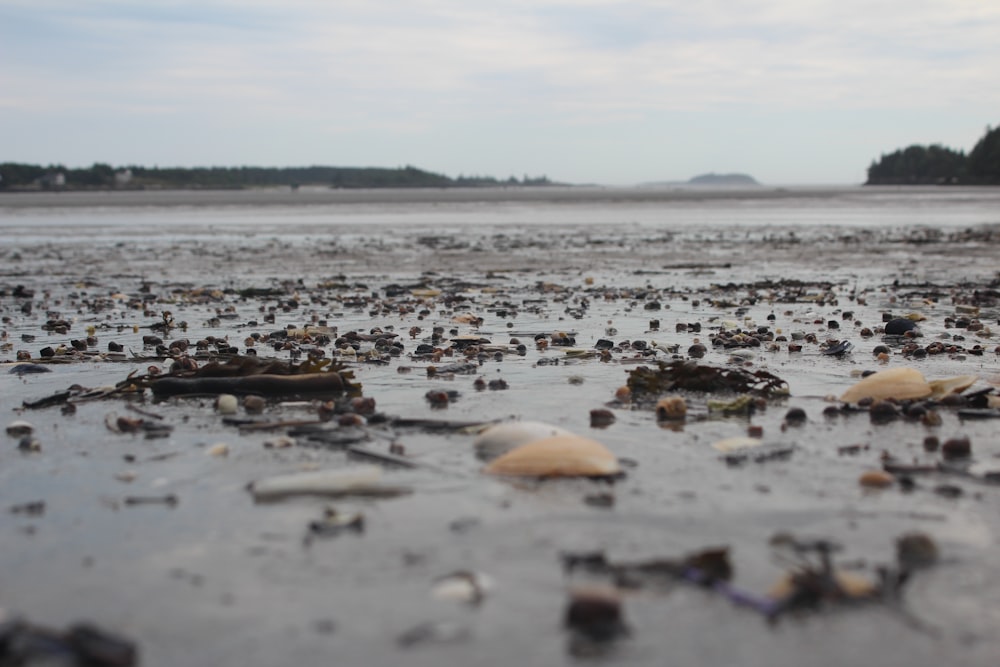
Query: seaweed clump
point(692, 376)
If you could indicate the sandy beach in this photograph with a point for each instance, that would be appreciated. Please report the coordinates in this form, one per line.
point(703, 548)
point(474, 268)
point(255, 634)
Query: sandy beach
point(131, 511)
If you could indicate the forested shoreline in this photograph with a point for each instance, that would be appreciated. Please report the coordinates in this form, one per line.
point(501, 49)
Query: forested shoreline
point(939, 165)
point(100, 176)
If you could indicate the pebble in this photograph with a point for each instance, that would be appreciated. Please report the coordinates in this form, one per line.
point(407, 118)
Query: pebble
point(227, 404)
point(876, 479)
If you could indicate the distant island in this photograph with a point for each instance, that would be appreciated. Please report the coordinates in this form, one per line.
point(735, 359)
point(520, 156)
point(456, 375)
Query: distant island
point(28, 177)
point(724, 180)
point(939, 165)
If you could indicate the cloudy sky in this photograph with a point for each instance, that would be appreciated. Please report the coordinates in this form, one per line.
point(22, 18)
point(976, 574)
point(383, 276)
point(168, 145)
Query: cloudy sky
point(583, 91)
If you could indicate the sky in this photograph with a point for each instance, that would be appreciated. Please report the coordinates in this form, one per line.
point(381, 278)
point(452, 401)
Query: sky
point(581, 91)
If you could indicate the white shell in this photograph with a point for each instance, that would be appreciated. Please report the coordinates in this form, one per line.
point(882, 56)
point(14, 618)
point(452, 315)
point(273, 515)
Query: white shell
point(735, 444)
point(359, 480)
point(218, 449)
point(567, 455)
point(502, 438)
point(899, 383)
point(462, 587)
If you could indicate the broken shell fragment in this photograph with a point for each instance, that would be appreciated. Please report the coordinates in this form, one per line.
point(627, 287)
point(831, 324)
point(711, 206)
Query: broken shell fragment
point(502, 438)
point(462, 586)
point(738, 443)
point(955, 385)
point(564, 455)
point(898, 383)
point(219, 449)
point(361, 480)
point(19, 428)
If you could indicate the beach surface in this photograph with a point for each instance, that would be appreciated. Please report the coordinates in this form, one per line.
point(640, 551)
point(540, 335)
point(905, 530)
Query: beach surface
point(134, 512)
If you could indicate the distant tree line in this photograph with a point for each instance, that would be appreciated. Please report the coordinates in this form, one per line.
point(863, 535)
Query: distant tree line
point(17, 176)
point(938, 165)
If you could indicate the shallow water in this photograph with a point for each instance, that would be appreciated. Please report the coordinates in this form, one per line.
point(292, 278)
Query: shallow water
point(221, 580)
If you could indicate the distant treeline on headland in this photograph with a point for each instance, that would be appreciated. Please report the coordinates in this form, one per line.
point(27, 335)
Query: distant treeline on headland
point(938, 165)
point(16, 176)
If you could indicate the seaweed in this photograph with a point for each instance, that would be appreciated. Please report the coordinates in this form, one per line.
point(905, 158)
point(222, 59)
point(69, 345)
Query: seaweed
point(692, 376)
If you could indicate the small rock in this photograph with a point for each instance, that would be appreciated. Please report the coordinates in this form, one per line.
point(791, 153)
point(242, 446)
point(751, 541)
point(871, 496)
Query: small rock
point(916, 550)
point(956, 448)
point(226, 404)
point(876, 479)
point(596, 613)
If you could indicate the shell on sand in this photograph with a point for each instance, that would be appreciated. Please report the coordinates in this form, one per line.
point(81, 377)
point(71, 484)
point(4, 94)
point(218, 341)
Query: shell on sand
point(502, 438)
point(566, 455)
point(359, 480)
point(898, 383)
point(955, 385)
point(735, 444)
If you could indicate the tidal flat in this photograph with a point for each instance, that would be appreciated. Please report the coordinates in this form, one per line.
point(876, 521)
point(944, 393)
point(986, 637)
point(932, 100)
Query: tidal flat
point(448, 311)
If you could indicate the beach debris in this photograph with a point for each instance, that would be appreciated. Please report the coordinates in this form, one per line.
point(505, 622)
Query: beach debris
point(463, 586)
point(741, 405)
point(897, 383)
point(948, 386)
point(251, 376)
point(334, 523)
point(758, 454)
point(736, 444)
point(219, 450)
point(564, 455)
point(692, 376)
point(837, 348)
point(28, 369)
point(280, 442)
point(354, 481)
point(328, 383)
point(670, 408)
point(169, 499)
point(84, 644)
point(19, 428)
point(498, 439)
point(29, 444)
point(814, 580)
point(434, 633)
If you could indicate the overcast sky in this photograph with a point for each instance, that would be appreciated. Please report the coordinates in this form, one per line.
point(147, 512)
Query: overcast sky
point(583, 91)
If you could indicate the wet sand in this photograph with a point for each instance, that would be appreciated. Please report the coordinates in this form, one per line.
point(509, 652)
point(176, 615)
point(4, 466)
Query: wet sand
point(220, 579)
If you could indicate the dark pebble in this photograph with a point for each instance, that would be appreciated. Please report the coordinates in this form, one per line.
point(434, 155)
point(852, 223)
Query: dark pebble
point(795, 416)
point(899, 326)
point(596, 614)
point(882, 412)
point(696, 351)
point(601, 417)
point(956, 448)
